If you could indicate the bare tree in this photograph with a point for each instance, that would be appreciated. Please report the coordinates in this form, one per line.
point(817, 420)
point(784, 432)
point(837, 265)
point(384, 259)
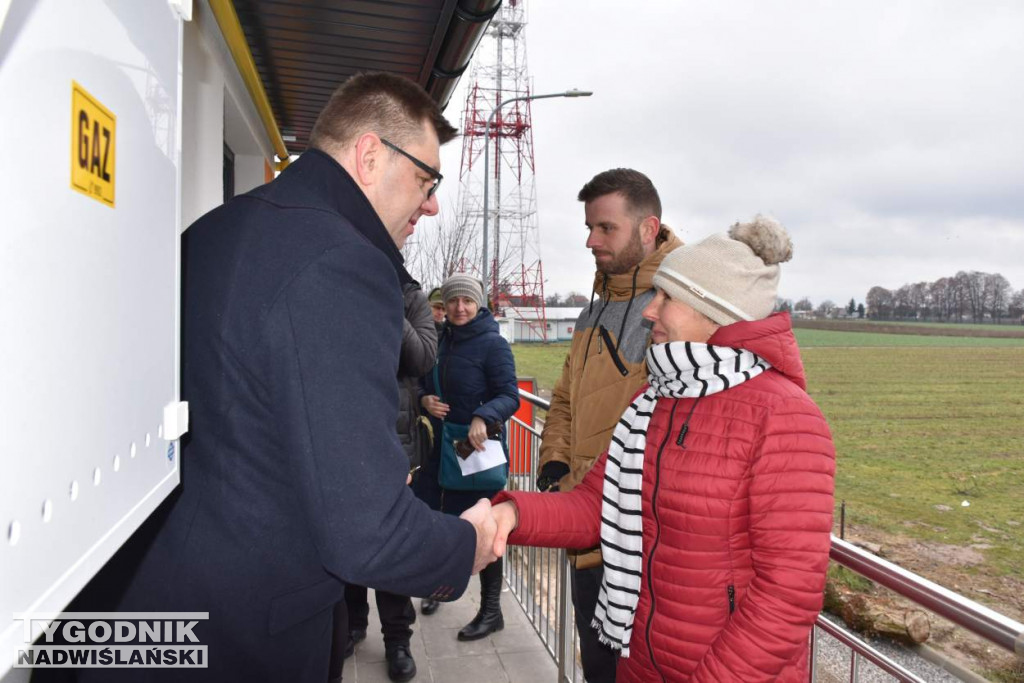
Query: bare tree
point(954, 299)
point(917, 298)
point(803, 305)
point(972, 291)
point(442, 246)
point(826, 309)
point(901, 302)
point(879, 302)
point(973, 295)
point(941, 296)
point(1016, 306)
point(999, 296)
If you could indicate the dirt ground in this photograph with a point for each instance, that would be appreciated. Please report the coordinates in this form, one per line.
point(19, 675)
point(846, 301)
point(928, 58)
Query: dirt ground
point(961, 569)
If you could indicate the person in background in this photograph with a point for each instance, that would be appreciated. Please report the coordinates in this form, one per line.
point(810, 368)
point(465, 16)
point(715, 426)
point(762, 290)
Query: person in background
point(605, 364)
point(419, 351)
point(713, 503)
point(437, 308)
point(474, 384)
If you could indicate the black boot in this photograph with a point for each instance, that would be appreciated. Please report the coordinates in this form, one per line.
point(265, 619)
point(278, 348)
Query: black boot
point(488, 619)
point(401, 665)
point(428, 606)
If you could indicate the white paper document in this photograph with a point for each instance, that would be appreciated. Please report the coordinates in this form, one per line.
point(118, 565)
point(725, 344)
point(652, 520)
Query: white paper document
point(491, 456)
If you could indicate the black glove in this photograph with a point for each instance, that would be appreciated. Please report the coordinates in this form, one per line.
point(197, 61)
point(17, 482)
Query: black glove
point(547, 479)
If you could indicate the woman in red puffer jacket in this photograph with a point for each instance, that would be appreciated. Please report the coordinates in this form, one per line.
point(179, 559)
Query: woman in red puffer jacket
point(713, 505)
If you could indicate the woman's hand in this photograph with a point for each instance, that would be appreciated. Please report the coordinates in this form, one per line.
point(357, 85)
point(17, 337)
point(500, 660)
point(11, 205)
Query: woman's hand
point(477, 433)
point(506, 515)
point(433, 405)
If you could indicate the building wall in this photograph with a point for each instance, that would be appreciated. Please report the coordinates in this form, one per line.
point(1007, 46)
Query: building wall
point(216, 110)
point(202, 127)
point(557, 330)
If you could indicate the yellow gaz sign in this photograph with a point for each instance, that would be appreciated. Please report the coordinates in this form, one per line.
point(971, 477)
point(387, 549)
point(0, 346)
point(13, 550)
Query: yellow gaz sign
point(93, 146)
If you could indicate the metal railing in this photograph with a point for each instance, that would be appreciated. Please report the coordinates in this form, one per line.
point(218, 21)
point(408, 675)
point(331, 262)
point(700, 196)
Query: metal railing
point(539, 579)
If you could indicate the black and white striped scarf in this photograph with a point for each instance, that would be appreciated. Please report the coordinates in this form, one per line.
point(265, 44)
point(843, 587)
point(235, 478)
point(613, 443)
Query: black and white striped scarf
point(676, 370)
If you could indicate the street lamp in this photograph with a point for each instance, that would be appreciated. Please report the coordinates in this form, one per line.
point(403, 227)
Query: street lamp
point(487, 159)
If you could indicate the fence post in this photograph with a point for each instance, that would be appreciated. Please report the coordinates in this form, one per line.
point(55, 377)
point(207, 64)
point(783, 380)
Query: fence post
point(564, 639)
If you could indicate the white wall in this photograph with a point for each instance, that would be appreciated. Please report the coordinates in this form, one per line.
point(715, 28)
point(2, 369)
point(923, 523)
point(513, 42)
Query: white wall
point(250, 172)
point(202, 127)
point(217, 110)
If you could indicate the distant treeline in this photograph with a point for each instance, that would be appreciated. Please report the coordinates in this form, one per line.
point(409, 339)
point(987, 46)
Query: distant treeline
point(966, 297)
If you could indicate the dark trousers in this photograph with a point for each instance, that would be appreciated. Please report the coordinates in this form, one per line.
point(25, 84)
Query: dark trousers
point(599, 660)
point(396, 613)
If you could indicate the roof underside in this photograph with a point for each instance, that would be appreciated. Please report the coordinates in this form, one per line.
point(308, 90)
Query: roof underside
point(304, 50)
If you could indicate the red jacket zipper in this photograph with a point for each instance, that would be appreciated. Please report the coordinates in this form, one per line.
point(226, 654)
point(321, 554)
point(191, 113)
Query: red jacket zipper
point(657, 537)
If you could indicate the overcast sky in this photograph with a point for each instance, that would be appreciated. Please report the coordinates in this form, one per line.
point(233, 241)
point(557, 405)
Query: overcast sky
point(887, 136)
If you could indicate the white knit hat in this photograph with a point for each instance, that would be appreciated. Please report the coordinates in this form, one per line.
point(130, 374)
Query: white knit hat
point(730, 277)
point(463, 284)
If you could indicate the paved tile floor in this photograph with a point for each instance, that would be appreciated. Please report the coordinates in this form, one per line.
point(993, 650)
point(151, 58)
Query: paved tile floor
point(513, 655)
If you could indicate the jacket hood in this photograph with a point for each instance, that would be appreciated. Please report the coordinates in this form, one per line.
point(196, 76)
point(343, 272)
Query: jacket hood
point(483, 322)
point(772, 339)
point(620, 285)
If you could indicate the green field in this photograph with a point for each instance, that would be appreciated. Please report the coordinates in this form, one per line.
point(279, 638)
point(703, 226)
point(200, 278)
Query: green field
point(920, 430)
point(921, 424)
point(1005, 325)
point(817, 338)
point(543, 362)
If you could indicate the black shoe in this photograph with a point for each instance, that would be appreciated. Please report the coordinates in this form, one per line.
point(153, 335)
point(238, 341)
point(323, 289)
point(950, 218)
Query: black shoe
point(356, 635)
point(428, 606)
point(401, 665)
point(484, 624)
point(488, 619)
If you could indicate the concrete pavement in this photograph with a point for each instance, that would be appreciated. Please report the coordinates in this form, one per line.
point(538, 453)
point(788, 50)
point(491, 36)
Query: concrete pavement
point(514, 655)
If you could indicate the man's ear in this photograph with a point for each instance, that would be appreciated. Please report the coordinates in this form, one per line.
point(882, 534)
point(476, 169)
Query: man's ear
point(649, 228)
point(369, 159)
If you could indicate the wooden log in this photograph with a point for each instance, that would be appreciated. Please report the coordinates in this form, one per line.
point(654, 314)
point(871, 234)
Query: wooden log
point(880, 616)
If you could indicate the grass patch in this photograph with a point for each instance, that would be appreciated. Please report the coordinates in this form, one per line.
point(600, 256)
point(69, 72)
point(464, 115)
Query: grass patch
point(918, 328)
point(838, 574)
point(1007, 324)
point(543, 362)
point(1012, 674)
point(920, 430)
point(808, 338)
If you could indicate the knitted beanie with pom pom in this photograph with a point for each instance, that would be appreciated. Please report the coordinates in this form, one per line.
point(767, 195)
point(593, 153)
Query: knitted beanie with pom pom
point(729, 277)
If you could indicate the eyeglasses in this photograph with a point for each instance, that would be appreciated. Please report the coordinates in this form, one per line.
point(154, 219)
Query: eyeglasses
point(433, 173)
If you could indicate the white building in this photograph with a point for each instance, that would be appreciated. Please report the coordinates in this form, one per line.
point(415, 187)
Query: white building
point(526, 324)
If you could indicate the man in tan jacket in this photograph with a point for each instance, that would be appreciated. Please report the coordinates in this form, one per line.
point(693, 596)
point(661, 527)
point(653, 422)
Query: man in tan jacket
point(605, 365)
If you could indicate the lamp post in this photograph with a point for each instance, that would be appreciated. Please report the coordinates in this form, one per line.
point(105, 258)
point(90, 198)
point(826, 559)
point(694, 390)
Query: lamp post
point(487, 162)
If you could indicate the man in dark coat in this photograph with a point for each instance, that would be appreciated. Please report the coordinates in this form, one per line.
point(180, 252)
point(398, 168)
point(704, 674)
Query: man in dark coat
point(293, 480)
point(419, 351)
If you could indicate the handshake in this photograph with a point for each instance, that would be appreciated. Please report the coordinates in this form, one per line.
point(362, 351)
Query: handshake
point(493, 524)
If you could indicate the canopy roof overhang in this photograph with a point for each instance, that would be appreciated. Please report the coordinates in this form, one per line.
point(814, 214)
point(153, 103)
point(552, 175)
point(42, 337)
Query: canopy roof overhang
point(303, 49)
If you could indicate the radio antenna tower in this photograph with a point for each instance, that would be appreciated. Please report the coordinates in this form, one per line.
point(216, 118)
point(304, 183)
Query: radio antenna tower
point(499, 73)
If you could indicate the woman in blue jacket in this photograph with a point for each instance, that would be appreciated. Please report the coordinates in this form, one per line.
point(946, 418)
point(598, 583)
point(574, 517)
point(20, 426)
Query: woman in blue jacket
point(475, 386)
